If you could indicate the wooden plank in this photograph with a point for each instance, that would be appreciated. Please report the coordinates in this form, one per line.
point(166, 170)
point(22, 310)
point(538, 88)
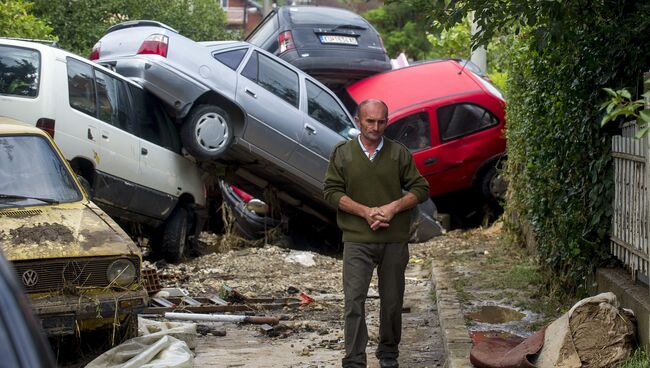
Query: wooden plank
point(628, 156)
point(629, 248)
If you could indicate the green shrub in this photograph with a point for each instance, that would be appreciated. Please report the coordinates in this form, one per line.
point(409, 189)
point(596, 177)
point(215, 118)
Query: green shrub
point(638, 360)
point(559, 164)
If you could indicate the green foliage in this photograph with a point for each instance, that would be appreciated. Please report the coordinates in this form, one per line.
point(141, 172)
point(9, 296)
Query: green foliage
point(559, 167)
point(499, 79)
point(452, 43)
point(638, 360)
point(620, 104)
point(80, 23)
point(16, 21)
point(404, 27)
point(400, 29)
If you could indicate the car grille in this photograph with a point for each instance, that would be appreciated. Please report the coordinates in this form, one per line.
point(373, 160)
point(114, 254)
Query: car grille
point(20, 213)
point(54, 275)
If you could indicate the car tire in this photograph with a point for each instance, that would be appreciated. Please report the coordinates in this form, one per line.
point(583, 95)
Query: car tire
point(174, 235)
point(207, 132)
point(493, 185)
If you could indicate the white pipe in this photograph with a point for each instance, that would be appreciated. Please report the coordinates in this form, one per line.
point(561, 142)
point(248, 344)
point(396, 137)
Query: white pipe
point(260, 320)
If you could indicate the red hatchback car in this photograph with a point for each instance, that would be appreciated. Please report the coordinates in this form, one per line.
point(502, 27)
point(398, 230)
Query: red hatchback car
point(451, 119)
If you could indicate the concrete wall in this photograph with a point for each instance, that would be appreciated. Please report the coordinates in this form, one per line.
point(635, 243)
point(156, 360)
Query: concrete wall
point(631, 295)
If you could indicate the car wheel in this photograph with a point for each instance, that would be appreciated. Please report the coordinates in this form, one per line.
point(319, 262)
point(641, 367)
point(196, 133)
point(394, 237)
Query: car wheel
point(174, 235)
point(493, 185)
point(207, 132)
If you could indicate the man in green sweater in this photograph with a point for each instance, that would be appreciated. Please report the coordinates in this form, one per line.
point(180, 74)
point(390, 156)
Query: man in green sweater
point(365, 181)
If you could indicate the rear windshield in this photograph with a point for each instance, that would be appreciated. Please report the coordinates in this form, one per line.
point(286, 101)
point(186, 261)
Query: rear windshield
point(300, 15)
point(19, 70)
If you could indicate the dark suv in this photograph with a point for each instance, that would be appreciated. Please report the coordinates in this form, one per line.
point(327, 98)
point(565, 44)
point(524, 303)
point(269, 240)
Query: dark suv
point(335, 46)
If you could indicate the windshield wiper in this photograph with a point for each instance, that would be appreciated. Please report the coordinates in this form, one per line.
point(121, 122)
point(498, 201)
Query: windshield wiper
point(15, 196)
point(349, 26)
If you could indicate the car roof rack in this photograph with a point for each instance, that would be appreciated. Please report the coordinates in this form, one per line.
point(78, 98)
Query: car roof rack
point(139, 23)
point(45, 42)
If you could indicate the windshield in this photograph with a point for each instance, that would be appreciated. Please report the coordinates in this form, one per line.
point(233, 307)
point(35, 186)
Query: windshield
point(316, 15)
point(31, 173)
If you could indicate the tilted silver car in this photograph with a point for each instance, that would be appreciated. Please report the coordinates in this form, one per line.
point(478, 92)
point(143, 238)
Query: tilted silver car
point(236, 103)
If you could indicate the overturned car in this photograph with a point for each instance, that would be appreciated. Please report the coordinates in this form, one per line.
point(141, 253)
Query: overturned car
point(79, 268)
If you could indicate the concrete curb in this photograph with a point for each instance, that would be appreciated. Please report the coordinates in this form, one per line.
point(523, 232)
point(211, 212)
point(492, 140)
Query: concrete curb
point(455, 336)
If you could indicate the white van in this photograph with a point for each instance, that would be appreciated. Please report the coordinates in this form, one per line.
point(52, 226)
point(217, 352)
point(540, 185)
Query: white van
point(114, 134)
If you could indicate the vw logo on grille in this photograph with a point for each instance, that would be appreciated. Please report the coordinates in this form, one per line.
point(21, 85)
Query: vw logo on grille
point(30, 278)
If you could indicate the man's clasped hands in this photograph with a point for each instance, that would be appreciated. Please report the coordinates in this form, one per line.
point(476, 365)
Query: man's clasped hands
point(378, 217)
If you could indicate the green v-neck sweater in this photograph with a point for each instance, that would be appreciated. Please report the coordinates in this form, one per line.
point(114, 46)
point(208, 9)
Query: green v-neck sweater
point(372, 183)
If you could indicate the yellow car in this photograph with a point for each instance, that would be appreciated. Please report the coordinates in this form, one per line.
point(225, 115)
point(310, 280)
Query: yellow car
point(79, 268)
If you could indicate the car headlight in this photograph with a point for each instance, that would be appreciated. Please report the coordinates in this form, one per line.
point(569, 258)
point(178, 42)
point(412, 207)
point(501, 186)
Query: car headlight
point(121, 273)
point(258, 207)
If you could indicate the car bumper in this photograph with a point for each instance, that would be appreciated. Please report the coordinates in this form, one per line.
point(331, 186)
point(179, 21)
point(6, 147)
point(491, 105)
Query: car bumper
point(172, 86)
point(63, 314)
point(340, 68)
point(248, 223)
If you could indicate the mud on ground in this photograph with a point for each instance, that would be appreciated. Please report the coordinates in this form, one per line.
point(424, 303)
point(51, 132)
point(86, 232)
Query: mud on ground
point(497, 281)
point(312, 335)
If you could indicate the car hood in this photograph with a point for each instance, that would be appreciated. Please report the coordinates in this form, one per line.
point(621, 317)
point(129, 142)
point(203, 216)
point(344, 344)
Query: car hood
point(61, 231)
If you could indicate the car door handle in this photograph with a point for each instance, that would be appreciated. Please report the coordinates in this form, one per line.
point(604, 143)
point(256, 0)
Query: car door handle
point(430, 161)
point(143, 151)
point(253, 94)
point(310, 129)
point(104, 135)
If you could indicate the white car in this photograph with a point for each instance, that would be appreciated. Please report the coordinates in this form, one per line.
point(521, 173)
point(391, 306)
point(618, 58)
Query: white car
point(114, 134)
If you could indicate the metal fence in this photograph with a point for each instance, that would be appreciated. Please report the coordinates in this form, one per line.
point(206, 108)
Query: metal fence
point(629, 234)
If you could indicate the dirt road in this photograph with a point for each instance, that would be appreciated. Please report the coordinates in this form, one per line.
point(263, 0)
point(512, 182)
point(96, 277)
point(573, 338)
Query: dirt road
point(311, 336)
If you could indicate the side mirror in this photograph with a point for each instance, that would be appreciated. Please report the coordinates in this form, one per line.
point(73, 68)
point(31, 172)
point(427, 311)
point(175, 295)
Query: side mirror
point(86, 186)
point(353, 133)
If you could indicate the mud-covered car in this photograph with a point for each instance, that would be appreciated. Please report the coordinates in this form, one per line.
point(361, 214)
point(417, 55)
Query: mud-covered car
point(79, 268)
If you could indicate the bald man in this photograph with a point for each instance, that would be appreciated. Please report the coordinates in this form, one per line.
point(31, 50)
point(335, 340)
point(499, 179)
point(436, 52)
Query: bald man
point(366, 180)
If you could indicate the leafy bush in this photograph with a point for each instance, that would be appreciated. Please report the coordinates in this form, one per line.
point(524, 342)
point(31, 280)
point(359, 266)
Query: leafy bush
point(16, 21)
point(559, 164)
point(80, 23)
point(559, 158)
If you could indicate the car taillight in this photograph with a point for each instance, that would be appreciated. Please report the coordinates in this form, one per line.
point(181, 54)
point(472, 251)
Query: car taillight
point(47, 125)
point(155, 44)
point(245, 197)
point(94, 53)
point(285, 39)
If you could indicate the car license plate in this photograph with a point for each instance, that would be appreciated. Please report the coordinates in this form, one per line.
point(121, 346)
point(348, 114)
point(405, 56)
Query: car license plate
point(338, 39)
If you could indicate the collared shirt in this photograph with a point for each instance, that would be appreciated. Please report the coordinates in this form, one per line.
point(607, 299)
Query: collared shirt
point(379, 146)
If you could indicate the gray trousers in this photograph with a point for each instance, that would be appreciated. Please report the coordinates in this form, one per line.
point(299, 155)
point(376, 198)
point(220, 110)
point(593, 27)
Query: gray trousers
point(359, 261)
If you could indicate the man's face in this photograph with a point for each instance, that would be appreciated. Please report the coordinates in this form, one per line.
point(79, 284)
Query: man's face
point(372, 121)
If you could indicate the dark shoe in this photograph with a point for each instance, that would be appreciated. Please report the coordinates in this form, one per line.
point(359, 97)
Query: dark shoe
point(388, 363)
